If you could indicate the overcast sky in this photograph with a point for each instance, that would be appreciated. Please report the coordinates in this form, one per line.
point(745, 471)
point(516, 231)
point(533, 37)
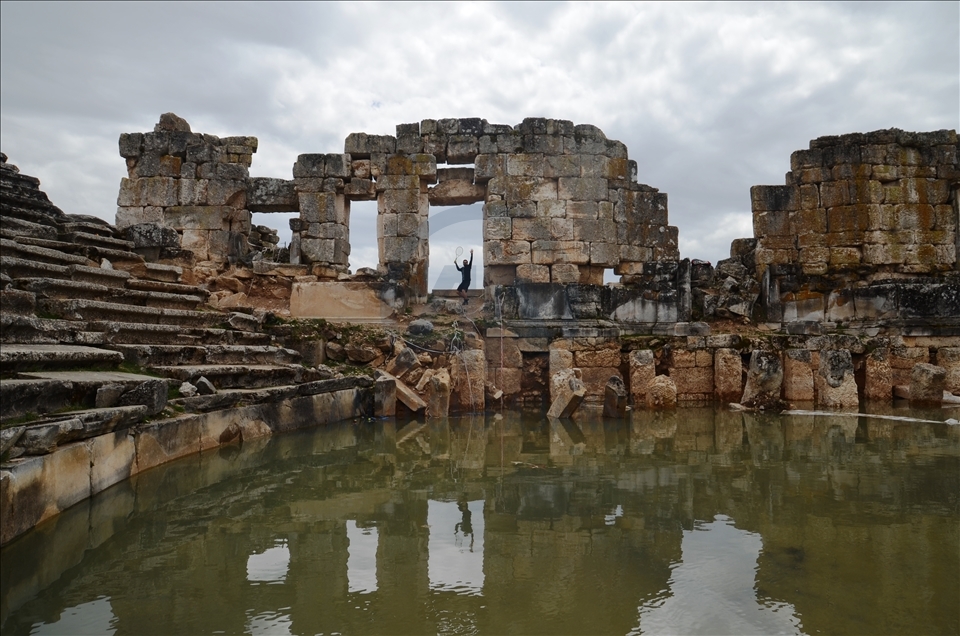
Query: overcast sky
point(709, 98)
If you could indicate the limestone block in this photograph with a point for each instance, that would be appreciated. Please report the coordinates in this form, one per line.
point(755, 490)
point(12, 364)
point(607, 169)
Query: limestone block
point(609, 357)
point(594, 230)
point(764, 379)
point(682, 358)
point(530, 273)
point(461, 149)
point(398, 181)
point(337, 165)
point(551, 208)
point(488, 166)
point(834, 382)
point(401, 249)
point(503, 351)
point(550, 229)
point(798, 376)
point(232, 192)
point(695, 380)
point(545, 252)
point(727, 375)
point(399, 201)
point(878, 380)
point(615, 398)
point(362, 144)
point(498, 228)
point(591, 275)
point(457, 192)
point(507, 380)
point(642, 371)
point(525, 165)
point(409, 224)
point(506, 252)
point(604, 254)
point(555, 166)
point(360, 190)
point(567, 392)
point(468, 378)
point(560, 359)
point(438, 394)
point(563, 273)
point(774, 198)
point(927, 384)
point(582, 188)
point(526, 189)
point(661, 393)
point(588, 210)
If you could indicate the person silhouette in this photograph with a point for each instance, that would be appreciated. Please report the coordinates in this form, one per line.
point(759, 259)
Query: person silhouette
point(465, 274)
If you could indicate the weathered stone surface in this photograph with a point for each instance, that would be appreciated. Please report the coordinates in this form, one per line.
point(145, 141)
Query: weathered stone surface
point(727, 375)
point(642, 371)
point(878, 376)
point(205, 386)
point(798, 385)
point(468, 377)
point(405, 361)
point(385, 396)
point(661, 393)
point(438, 394)
point(615, 398)
point(835, 384)
point(151, 394)
point(567, 392)
point(764, 380)
point(927, 382)
point(420, 326)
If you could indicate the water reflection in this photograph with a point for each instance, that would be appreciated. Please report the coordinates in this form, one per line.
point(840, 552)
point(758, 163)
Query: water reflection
point(712, 589)
point(694, 521)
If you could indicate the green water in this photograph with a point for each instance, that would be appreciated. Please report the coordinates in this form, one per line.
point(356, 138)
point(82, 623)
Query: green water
point(699, 521)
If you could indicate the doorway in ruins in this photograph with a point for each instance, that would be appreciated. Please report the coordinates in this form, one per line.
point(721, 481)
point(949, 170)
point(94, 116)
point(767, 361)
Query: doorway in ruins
point(454, 231)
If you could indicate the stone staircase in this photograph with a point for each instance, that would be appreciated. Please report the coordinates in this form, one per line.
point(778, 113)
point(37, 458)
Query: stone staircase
point(95, 338)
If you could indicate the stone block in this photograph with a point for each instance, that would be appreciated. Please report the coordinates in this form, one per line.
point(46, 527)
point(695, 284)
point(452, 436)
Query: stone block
point(727, 375)
point(498, 228)
point(528, 189)
point(399, 201)
point(609, 357)
point(769, 198)
point(683, 358)
point(927, 384)
point(530, 273)
point(550, 252)
point(693, 380)
point(567, 393)
point(401, 249)
point(506, 252)
point(615, 398)
point(525, 165)
point(550, 229)
point(604, 254)
point(661, 393)
point(878, 376)
point(582, 189)
point(834, 383)
point(438, 394)
point(555, 166)
point(764, 379)
point(642, 371)
point(564, 273)
point(582, 210)
point(834, 194)
point(798, 376)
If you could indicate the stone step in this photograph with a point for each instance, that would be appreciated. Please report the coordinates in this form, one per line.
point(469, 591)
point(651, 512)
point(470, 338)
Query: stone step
point(40, 393)
point(41, 254)
point(74, 225)
point(229, 376)
point(40, 438)
point(96, 310)
point(66, 289)
point(17, 329)
point(12, 227)
point(154, 271)
point(180, 355)
point(94, 253)
point(15, 358)
point(18, 268)
point(168, 288)
point(96, 240)
point(25, 208)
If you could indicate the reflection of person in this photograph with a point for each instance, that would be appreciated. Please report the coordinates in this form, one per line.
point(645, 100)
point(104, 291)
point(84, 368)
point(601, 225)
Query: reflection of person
point(465, 272)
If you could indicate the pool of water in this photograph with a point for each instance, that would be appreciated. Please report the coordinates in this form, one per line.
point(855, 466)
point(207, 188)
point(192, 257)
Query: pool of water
point(698, 521)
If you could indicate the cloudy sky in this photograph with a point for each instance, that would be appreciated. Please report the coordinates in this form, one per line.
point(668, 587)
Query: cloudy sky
point(709, 98)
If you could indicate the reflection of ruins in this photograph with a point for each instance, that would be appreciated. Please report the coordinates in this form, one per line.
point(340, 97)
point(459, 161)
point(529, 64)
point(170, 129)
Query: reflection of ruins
point(575, 537)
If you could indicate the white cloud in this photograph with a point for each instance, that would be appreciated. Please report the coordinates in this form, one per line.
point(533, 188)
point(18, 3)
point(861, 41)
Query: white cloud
point(709, 98)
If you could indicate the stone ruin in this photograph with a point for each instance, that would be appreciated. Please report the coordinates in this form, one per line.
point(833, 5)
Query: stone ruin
point(864, 230)
point(849, 291)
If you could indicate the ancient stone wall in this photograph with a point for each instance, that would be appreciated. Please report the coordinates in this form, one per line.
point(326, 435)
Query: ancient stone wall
point(191, 182)
point(864, 225)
